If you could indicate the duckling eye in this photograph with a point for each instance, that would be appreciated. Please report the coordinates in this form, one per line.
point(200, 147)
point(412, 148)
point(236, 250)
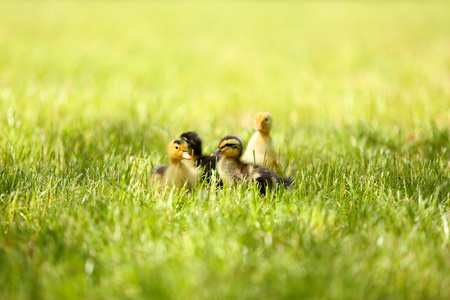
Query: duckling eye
point(176, 147)
point(267, 119)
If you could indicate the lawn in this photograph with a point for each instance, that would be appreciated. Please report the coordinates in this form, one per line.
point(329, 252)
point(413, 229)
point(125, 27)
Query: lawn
point(91, 92)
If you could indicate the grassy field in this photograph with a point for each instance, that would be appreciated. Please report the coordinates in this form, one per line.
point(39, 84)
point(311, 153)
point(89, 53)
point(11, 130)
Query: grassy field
point(92, 91)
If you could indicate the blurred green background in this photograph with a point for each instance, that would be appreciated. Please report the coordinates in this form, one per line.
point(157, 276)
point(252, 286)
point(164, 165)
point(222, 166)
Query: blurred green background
point(328, 62)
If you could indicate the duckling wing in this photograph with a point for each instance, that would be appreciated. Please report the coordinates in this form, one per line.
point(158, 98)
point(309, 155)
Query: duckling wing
point(160, 169)
point(266, 178)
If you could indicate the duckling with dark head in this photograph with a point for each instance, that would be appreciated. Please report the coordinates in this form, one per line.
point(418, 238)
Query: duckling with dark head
point(206, 163)
point(232, 169)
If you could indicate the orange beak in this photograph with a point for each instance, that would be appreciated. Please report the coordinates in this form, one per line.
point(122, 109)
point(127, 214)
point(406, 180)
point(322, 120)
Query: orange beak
point(185, 155)
point(258, 126)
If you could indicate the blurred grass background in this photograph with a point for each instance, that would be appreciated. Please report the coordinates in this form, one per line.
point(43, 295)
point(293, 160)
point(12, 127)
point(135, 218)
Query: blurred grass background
point(334, 62)
point(91, 92)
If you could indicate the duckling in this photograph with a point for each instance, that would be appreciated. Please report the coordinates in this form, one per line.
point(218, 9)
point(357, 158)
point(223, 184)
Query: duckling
point(177, 173)
point(206, 163)
point(232, 169)
point(260, 148)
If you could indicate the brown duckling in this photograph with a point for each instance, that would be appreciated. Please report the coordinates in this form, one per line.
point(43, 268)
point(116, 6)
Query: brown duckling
point(232, 169)
point(260, 148)
point(206, 163)
point(177, 173)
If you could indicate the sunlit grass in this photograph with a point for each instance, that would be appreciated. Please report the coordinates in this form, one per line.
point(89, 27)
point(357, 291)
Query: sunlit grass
point(91, 92)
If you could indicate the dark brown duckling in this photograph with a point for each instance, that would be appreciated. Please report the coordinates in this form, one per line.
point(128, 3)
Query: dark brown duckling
point(232, 169)
point(206, 163)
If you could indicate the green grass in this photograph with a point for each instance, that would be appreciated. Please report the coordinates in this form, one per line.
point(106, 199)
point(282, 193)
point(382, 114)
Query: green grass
point(92, 91)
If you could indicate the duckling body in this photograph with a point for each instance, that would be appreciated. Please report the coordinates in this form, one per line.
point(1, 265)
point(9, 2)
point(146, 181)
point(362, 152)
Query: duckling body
point(177, 173)
point(180, 173)
point(206, 164)
point(260, 149)
point(233, 170)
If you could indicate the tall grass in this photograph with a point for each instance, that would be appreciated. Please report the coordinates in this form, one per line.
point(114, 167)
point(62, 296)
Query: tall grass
point(92, 91)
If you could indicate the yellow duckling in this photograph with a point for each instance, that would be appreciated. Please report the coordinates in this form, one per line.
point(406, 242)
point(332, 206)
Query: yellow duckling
point(232, 169)
point(177, 173)
point(260, 148)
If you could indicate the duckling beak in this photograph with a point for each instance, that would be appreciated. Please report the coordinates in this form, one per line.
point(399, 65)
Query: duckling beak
point(185, 155)
point(217, 152)
point(258, 126)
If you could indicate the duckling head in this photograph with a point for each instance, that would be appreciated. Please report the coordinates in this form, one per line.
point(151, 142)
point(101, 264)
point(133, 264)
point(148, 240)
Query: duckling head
point(263, 122)
point(194, 143)
point(177, 150)
point(230, 146)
